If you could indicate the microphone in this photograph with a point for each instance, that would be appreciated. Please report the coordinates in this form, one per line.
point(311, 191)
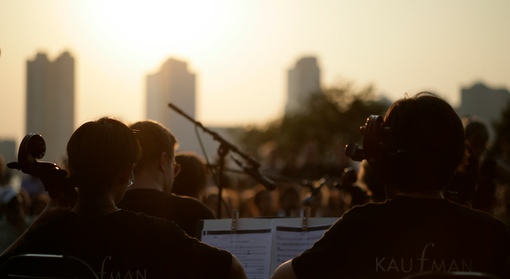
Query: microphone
point(262, 179)
point(255, 173)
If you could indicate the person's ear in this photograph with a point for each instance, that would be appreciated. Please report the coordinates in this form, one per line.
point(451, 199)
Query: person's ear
point(127, 176)
point(163, 161)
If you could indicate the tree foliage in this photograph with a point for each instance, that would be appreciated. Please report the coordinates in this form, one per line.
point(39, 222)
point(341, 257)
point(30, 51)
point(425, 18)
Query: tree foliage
point(330, 119)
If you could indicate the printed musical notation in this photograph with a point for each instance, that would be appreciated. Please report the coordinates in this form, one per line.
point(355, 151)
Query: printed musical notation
point(249, 246)
point(291, 242)
point(263, 244)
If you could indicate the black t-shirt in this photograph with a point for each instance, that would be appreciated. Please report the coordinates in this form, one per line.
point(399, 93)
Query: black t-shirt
point(408, 235)
point(125, 244)
point(185, 211)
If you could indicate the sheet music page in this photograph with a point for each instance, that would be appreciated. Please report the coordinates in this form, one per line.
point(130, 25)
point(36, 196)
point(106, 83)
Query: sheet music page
point(290, 240)
point(261, 245)
point(250, 243)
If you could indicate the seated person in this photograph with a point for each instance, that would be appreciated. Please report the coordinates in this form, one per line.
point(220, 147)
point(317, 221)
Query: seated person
point(117, 243)
point(193, 177)
point(421, 145)
point(13, 220)
point(464, 183)
point(154, 178)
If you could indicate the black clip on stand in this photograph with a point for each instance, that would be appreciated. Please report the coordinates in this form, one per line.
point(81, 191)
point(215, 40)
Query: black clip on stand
point(223, 150)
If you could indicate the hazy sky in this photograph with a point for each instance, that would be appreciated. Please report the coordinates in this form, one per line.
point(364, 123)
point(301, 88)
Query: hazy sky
point(241, 50)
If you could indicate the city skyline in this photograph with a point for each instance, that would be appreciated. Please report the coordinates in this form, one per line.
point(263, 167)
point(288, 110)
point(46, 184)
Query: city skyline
point(241, 51)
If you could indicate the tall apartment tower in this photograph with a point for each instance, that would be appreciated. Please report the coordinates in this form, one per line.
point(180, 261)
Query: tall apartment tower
point(50, 102)
point(175, 84)
point(483, 102)
point(303, 80)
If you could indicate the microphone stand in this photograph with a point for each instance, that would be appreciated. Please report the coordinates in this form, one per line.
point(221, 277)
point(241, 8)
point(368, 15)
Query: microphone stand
point(224, 148)
point(222, 152)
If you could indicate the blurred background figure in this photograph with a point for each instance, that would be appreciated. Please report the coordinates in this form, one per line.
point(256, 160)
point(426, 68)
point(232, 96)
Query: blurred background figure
point(193, 177)
point(493, 195)
point(344, 193)
point(476, 135)
point(494, 177)
point(230, 201)
point(13, 221)
point(289, 202)
point(264, 202)
point(5, 174)
point(367, 180)
point(258, 202)
point(357, 193)
point(465, 181)
point(33, 186)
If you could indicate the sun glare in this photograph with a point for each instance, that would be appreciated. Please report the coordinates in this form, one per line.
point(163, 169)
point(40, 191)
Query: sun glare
point(158, 26)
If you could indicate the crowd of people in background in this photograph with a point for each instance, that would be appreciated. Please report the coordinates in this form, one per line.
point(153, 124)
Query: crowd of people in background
point(19, 206)
point(185, 179)
point(482, 182)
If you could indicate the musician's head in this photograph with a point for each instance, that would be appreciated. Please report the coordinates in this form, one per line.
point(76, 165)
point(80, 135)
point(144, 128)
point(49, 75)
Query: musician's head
point(101, 151)
point(158, 151)
point(426, 143)
point(154, 138)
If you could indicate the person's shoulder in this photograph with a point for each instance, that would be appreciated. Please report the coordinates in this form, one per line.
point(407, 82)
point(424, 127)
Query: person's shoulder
point(193, 204)
point(54, 228)
point(474, 218)
point(141, 199)
point(487, 218)
point(143, 223)
point(368, 214)
point(63, 219)
point(185, 199)
point(367, 208)
point(143, 194)
point(139, 217)
point(471, 213)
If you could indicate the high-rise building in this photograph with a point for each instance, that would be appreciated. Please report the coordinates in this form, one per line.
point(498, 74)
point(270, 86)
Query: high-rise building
point(50, 102)
point(175, 84)
point(304, 79)
point(483, 102)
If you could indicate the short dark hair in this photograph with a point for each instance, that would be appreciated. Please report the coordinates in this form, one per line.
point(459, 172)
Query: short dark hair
point(430, 132)
point(192, 178)
point(100, 150)
point(154, 138)
point(476, 132)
